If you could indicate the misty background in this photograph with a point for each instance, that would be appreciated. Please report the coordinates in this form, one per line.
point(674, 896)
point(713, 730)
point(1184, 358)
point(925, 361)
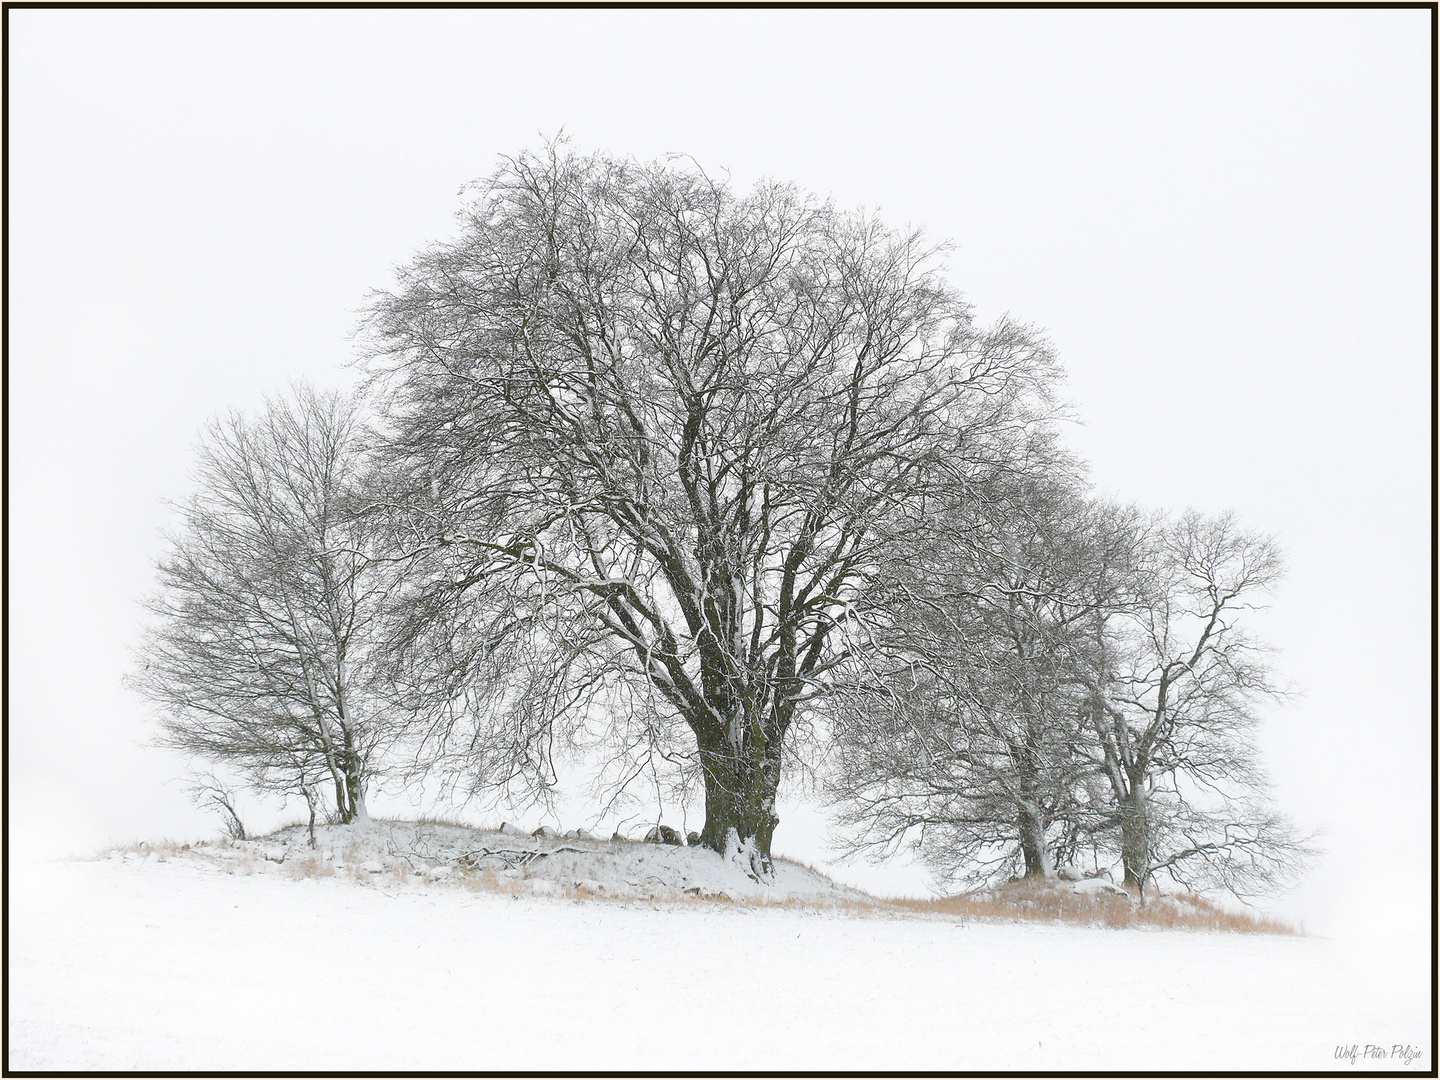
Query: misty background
point(1220, 217)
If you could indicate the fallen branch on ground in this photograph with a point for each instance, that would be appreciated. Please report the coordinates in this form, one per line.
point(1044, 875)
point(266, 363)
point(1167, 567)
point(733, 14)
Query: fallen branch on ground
point(510, 856)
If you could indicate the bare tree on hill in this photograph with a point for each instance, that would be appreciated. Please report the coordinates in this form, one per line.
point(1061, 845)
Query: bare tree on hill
point(673, 432)
point(261, 651)
point(1173, 686)
point(969, 746)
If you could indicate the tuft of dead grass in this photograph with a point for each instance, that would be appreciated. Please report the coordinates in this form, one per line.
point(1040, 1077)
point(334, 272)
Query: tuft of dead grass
point(160, 849)
point(434, 819)
point(307, 865)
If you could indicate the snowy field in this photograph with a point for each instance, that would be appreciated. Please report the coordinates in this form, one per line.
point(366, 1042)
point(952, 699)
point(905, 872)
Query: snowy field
point(182, 964)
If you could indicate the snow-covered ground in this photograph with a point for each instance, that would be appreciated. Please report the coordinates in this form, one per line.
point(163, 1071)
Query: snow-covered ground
point(228, 959)
point(507, 859)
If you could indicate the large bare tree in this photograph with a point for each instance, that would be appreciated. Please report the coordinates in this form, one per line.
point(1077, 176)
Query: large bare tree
point(261, 650)
point(679, 428)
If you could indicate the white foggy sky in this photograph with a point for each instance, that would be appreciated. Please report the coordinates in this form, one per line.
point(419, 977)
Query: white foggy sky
point(1221, 218)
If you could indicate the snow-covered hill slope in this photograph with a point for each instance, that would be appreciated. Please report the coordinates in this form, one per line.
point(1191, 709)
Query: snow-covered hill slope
point(192, 964)
point(508, 861)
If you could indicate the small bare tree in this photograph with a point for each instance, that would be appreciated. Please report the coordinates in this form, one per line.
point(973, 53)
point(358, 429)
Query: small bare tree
point(969, 746)
point(1072, 675)
point(1173, 686)
point(261, 654)
point(209, 792)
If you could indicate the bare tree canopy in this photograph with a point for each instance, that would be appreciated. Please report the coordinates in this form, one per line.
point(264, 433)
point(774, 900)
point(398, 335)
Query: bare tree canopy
point(964, 738)
point(261, 652)
point(695, 422)
point(1173, 683)
point(1070, 675)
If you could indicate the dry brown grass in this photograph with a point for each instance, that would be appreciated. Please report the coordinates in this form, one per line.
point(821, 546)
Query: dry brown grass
point(307, 865)
point(489, 879)
point(689, 898)
point(161, 849)
point(435, 819)
point(577, 891)
point(1031, 901)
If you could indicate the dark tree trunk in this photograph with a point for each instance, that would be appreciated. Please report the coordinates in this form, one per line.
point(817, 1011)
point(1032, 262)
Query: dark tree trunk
point(1030, 818)
point(740, 786)
point(1038, 862)
point(310, 803)
point(1134, 836)
point(342, 802)
point(355, 790)
point(349, 785)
